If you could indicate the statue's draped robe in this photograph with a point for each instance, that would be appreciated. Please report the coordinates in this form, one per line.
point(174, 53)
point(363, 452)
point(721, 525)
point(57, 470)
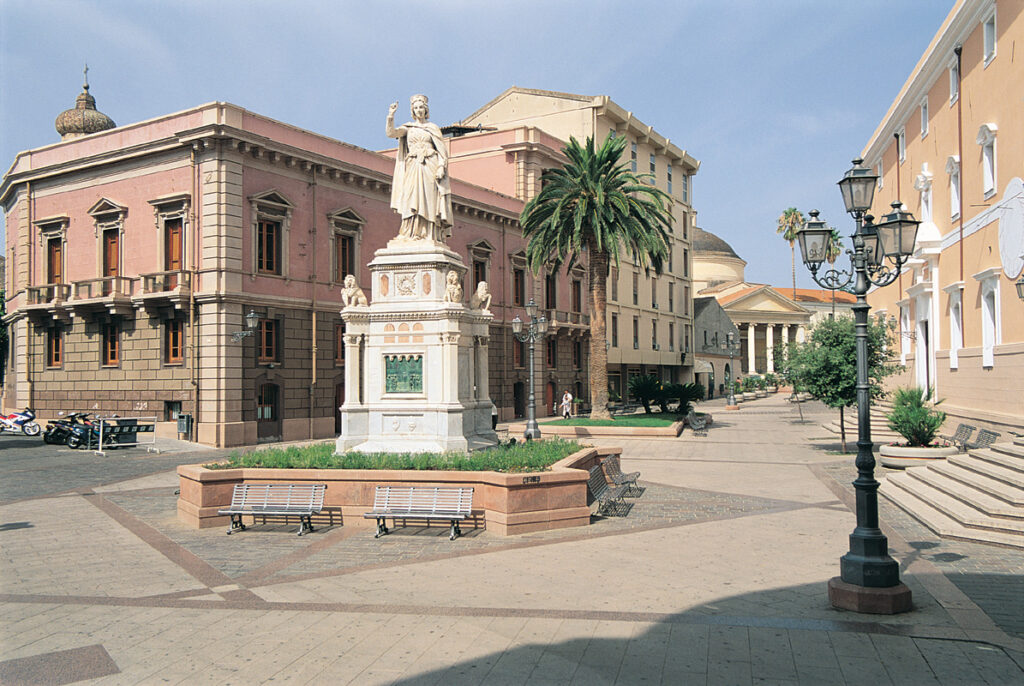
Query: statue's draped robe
point(424, 203)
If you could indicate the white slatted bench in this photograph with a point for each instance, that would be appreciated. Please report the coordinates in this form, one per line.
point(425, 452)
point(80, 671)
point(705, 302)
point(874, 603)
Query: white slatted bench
point(275, 500)
point(420, 502)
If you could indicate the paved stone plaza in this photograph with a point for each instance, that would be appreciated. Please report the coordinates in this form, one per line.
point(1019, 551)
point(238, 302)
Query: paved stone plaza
point(716, 576)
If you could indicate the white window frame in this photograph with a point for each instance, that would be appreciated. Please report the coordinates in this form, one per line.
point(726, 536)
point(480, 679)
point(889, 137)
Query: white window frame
point(270, 205)
point(923, 184)
point(348, 223)
point(953, 170)
point(904, 329)
point(991, 320)
point(954, 82)
point(924, 117)
point(668, 170)
point(685, 183)
point(901, 145)
point(987, 140)
point(988, 35)
point(881, 177)
point(956, 322)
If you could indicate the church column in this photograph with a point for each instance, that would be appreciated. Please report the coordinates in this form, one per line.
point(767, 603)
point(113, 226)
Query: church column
point(751, 366)
point(769, 344)
point(785, 334)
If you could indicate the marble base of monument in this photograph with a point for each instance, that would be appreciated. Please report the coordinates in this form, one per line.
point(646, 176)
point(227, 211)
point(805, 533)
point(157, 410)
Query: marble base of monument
point(416, 362)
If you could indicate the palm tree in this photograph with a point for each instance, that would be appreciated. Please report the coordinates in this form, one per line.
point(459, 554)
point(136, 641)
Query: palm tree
point(594, 205)
point(833, 249)
point(789, 224)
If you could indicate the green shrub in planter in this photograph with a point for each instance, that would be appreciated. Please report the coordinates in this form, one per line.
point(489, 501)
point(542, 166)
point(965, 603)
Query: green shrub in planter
point(771, 380)
point(912, 418)
point(645, 389)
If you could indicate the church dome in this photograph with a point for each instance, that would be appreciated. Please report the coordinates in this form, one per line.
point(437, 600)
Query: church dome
point(83, 119)
point(707, 242)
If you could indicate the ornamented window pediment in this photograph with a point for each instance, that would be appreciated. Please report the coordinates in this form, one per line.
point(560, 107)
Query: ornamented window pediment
point(52, 227)
point(953, 164)
point(346, 218)
point(480, 250)
point(106, 210)
point(986, 134)
point(272, 202)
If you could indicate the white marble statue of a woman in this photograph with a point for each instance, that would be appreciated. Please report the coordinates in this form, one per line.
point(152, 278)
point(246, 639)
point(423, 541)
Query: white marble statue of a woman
point(421, 191)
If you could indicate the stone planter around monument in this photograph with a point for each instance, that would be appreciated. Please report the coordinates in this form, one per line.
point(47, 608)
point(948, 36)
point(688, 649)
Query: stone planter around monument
point(748, 395)
point(772, 389)
point(901, 456)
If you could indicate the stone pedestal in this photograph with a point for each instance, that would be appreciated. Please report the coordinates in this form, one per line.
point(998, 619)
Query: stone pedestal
point(416, 376)
point(879, 601)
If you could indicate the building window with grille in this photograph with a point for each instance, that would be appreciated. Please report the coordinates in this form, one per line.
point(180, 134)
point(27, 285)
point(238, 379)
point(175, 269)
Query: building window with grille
point(577, 355)
point(552, 352)
point(654, 334)
point(174, 339)
point(613, 278)
point(266, 340)
point(54, 346)
point(111, 345)
point(654, 293)
point(671, 297)
point(518, 354)
point(636, 333)
point(615, 331)
point(632, 158)
point(987, 140)
point(519, 287)
point(550, 292)
point(989, 36)
point(668, 170)
point(636, 288)
point(671, 336)
point(577, 295)
point(268, 247)
point(479, 272)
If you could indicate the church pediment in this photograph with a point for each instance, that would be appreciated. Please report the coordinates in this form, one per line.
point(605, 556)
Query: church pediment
point(765, 299)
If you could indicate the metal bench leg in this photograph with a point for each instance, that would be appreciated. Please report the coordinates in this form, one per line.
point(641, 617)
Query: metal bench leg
point(236, 524)
point(382, 527)
point(455, 531)
point(304, 524)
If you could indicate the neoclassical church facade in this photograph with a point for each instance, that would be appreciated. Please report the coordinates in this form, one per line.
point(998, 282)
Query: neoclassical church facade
point(763, 315)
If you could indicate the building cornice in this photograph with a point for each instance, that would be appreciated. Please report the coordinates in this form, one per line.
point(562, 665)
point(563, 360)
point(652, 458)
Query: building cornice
point(958, 25)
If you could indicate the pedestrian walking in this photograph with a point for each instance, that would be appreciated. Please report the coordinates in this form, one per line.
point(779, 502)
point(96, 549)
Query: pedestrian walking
point(567, 404)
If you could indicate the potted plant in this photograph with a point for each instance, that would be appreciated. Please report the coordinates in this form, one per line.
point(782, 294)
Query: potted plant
point(917, 421)
point(749, 388)
point(771, 383)
point(761, 387)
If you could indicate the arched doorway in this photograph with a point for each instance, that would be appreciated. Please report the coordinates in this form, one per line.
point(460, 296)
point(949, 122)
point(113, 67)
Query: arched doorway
point(519, 399)
point(268, 413)
point(549, 399)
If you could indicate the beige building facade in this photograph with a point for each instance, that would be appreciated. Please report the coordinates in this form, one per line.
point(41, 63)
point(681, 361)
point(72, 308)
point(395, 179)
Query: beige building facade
point(951, 148)
point(649, 316)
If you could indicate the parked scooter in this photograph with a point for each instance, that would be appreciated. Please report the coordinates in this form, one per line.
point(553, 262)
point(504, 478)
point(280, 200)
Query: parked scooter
point(23, 421)
point(58, 430)
point(87, 433)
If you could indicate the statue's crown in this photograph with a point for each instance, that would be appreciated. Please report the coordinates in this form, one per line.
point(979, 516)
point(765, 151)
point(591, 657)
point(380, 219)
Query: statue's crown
point(419, 97)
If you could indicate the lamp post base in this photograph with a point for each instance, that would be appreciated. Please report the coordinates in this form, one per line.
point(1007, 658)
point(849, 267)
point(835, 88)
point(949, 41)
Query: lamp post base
point(890, 600)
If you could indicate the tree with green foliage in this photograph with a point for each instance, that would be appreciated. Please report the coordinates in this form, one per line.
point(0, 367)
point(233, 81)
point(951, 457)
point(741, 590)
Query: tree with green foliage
point(687, 394)
point(826, 364)
point(788, 225)
point(594, 205)
point(644, 389)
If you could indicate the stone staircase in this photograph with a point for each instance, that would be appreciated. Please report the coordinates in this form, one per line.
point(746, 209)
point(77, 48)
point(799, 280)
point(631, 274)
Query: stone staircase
point(880, 431)
point(974, 497)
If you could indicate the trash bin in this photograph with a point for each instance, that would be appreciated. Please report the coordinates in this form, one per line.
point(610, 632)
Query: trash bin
point(184, 424)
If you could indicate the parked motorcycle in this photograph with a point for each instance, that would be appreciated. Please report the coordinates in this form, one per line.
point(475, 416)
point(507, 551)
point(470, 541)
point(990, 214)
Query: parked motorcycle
point(58, 430)
point(88, 433)
point(23, 421)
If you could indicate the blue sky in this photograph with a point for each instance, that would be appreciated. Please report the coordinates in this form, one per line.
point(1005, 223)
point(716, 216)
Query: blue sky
point(774, 98)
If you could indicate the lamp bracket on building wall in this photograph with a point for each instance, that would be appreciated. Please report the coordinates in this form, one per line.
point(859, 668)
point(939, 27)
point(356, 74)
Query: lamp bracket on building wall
point(251, 320)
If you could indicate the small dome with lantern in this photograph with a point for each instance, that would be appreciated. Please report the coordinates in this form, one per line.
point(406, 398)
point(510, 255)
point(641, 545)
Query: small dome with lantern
point(84, 118)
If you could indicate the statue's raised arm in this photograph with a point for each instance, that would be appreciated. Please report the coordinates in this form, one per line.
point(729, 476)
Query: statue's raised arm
point(421, 191)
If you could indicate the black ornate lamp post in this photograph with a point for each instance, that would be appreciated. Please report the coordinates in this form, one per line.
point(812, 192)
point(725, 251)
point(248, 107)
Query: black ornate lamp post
point(730, 346)
point(536, 329)
point(251, 321)
point(869, 578)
